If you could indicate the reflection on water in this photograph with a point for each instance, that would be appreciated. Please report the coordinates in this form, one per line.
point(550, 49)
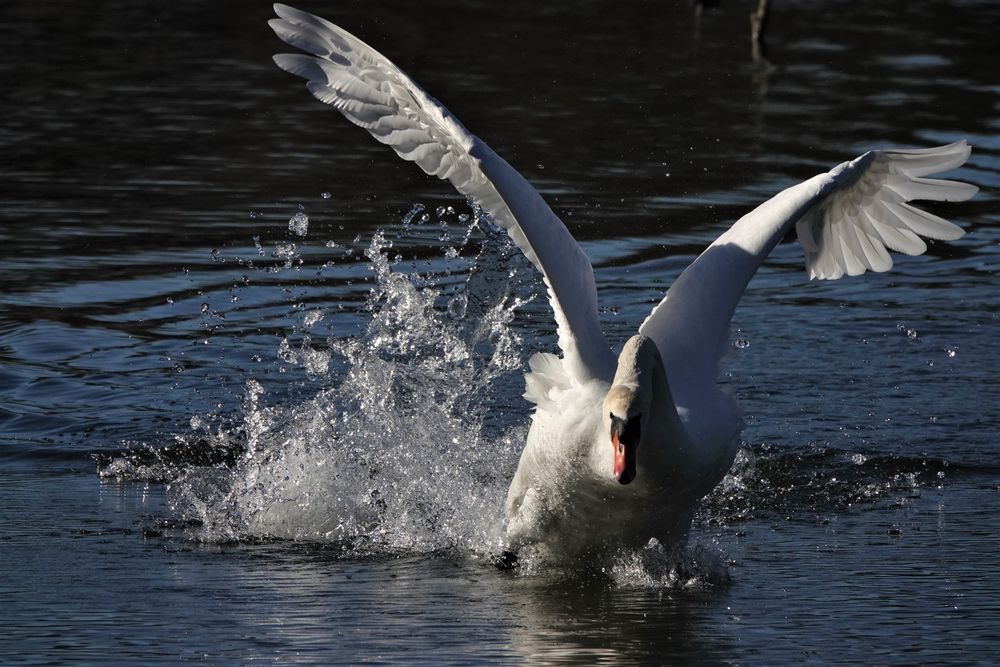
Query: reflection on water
point(153, 157)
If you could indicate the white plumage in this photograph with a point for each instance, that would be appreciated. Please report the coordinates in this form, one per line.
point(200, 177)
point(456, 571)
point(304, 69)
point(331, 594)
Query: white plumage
point(620, 451)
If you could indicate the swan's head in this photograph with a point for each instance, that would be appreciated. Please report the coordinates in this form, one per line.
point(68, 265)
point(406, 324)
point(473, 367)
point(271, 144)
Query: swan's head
point(622, 406)
point(630, 397)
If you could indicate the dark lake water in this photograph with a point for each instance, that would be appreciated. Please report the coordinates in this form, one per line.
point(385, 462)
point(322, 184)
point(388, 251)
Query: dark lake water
point(181, 376)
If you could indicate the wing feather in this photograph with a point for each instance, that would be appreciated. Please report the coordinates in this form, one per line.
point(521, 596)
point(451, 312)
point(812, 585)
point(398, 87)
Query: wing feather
point(371, 92)
point(847, 220)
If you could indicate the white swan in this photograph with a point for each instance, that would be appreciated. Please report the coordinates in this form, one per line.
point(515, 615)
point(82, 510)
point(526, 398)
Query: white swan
point(621, 451)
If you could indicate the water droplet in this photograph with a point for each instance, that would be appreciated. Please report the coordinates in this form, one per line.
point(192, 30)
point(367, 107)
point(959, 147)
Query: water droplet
point(325, 195)
point(312, 318)
point(439, 211)
point(254, 215)
point(457, 306)
point(858, 459)
point(463, 217)
point(741, 343)
point(170, 301)
point(299, 224)
point(411, 214)
point(287, 252)
point(204, 307)
point(951, 352)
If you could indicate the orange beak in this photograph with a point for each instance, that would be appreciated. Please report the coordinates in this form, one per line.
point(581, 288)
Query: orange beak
point(624, 468)
point(625, 435)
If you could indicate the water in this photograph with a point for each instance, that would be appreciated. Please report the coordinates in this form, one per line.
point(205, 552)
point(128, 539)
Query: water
point(199, 320)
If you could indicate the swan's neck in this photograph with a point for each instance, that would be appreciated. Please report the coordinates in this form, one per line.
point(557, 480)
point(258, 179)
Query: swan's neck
point(665, 410)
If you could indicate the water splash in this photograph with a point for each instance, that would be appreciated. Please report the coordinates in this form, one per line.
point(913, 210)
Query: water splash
point(657, 566)
point(402, 454)
point(299, 223)
point(696, 565)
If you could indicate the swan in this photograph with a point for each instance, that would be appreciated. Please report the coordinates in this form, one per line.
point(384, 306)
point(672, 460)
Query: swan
point(620, 450)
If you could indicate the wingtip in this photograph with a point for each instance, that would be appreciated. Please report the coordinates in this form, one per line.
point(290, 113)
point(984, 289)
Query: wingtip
point(960, 143)
point(966, 149)
point(959, 191)
point(294, 15)
point(955, 146)
point(962, 149)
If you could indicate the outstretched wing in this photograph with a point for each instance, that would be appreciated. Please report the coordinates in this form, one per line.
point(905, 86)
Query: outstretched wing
point(373, 93)
point(845, 219)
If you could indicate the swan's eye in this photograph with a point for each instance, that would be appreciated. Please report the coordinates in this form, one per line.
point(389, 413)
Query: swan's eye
point(625, 431)
point(617, 423)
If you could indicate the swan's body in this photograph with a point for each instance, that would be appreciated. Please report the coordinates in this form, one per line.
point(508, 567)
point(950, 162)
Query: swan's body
point(621, 451)
point(566, 497)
